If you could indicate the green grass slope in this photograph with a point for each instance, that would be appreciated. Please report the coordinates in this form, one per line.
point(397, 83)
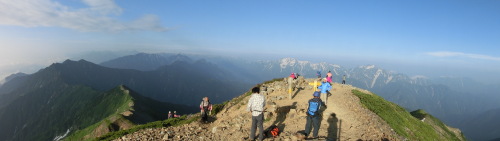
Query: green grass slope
point(46, 113)
point(408, 125)
point(110, 106)
point(128, 108)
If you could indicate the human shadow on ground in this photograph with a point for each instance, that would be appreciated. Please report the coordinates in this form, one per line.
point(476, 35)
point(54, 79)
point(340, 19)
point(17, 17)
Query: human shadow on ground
point(334, 128)
point(296, 92)
point(281, 114)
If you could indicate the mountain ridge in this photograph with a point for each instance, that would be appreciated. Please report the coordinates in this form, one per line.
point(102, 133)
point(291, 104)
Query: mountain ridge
point(450, 99)
point(58, 95)
point(345, 118)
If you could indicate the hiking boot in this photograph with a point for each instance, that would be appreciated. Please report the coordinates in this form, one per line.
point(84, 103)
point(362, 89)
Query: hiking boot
point(248, 139)
point(312, 138)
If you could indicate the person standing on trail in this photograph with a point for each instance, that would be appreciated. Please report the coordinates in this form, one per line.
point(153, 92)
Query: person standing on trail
point(343, 79)
point(292, 75)
point(256, 105)
point(313, 115)
point(169, 115)
point(329, 77)
point(206, 109)
point(324, 88)
point(318, 73)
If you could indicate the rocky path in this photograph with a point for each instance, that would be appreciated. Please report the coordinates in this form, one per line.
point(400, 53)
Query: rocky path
point(343, 119)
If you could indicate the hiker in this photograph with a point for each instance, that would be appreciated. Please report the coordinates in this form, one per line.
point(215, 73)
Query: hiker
point(169, 115)
point(318, 73)
point(329, 77)
point(324, 88)
point(176, 115)
point(256, 105)
point(290, 84)
point(313, 115)
point(292, 75)
point(205, 107)
point(343, 79)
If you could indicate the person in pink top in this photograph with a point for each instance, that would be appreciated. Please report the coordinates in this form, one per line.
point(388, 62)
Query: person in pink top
point(329, 77)
point(292, 75)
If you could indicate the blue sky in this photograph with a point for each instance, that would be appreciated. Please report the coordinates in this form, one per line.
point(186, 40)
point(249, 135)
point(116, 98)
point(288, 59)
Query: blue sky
point(406, 36)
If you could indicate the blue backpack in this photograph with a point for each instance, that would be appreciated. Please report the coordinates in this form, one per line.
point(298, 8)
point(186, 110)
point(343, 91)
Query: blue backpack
point(313, 107)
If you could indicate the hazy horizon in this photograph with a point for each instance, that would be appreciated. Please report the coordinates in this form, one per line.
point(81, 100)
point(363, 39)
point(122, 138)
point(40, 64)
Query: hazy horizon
point(430, 38)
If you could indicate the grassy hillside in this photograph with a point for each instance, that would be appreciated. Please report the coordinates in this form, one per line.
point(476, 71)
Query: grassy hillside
point(111, 104)
point(126, 109)
point(406, 124)
point(46, 113)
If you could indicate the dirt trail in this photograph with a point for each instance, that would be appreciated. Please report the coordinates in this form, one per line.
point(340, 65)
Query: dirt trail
point(343, 119)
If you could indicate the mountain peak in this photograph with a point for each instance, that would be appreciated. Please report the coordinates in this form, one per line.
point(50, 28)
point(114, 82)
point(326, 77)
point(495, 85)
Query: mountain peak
point(69, 61)
point(287, 62)
point(368, 67)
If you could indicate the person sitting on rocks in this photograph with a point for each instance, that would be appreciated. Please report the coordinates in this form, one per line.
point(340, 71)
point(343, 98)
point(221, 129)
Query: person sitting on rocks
point(176, 115)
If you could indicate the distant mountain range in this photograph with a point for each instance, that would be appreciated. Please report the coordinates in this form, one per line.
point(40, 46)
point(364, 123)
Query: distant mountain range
point(145, 62)
point(452, 99)
point(182, 79)
point(444, 97)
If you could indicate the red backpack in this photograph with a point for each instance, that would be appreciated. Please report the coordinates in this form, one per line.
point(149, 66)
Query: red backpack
point(275, 131)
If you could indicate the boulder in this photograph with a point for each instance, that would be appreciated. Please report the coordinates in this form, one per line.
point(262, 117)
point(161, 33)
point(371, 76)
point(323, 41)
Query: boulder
point(165, 137)
point(214, 130)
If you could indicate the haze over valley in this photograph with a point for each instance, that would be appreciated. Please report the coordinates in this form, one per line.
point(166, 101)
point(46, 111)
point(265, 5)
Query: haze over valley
point(439, 56)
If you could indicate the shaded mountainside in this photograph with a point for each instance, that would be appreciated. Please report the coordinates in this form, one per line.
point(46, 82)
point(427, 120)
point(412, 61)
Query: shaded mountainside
point(131, 109)
point(484, 126)
point(180, 83)
point(144, 61)
point(74, 95)
point(57, 108)
point(351, 114)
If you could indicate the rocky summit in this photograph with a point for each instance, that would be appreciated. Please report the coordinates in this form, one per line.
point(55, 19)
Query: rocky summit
point(345, 118)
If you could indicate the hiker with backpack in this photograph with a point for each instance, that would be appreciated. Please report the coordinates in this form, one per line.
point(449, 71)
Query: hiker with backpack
point(324, 88)
point(256, 105)
point(205, 107)
point(313, 115)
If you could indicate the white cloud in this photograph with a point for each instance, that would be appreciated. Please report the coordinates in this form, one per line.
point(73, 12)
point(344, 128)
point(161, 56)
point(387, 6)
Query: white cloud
point(461, 54)
point(97, 17)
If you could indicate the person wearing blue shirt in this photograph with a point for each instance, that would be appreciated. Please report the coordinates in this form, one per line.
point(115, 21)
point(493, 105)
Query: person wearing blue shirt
point(324, 88)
